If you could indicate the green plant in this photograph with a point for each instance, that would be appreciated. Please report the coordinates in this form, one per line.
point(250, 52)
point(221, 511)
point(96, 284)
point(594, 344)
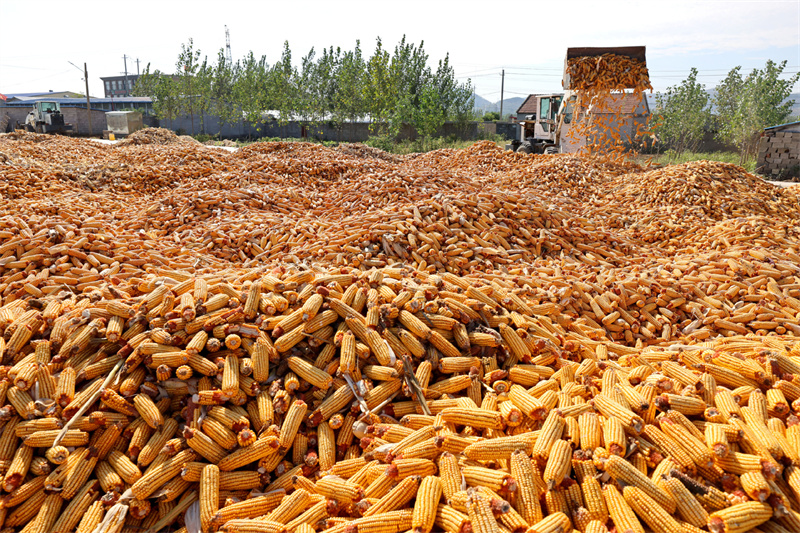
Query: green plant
point(683, 114)
point(746, 105)
point(491, 116)
point(204, 137)
point(382, 142)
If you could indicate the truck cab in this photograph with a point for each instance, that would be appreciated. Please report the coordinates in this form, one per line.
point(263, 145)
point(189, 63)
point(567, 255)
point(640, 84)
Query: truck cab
point(46, 117)
point(538, 131)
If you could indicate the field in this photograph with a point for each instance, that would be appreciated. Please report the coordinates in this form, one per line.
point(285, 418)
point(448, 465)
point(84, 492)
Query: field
point(290, 337)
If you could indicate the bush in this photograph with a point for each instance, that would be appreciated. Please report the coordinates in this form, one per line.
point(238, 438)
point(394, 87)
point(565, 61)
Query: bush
point(203, 137)
point(382, 142)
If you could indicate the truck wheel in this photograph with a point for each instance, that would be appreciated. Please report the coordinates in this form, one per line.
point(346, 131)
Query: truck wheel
point(551, 150)
point(525, 149)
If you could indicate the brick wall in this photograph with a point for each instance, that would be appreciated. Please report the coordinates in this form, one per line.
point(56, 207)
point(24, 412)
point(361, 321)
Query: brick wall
point(778, 151)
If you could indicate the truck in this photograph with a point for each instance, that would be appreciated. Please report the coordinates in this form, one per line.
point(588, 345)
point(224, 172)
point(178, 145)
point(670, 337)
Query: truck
point(546, 130)
point(46, 117)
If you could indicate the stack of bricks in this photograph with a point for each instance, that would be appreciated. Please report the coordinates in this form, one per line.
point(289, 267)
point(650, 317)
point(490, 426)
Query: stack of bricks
point(778, 152)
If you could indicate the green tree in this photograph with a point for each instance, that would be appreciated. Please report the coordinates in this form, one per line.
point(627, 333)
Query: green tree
point(187, 67)
point(283, 87)
point(251, 88)
point(379, 92)
point(163, 90)
point(349, 101)
point(223, 102)
point(683, 114)
point(745, 106)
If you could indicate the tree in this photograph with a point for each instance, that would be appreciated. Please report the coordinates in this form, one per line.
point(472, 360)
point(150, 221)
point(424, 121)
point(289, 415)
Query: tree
point(492, 116)
point(379, 91)
point(251, 88)
point(222, 93)
point(745, 106)
point(683, 114)
point(283, 78)
point(187, 67)
point(349, 100)
point(162, 89)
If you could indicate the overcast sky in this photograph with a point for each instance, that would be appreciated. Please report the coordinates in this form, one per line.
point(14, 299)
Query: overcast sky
point(528, 39)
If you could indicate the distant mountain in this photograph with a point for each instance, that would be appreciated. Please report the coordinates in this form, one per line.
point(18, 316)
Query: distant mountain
point(510, 105)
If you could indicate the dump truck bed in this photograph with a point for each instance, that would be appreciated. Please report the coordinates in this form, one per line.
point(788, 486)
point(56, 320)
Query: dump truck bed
point(634, 52)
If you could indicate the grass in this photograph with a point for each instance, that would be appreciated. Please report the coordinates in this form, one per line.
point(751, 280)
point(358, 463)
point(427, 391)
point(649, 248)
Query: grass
point(382, 142)
point(670, 158)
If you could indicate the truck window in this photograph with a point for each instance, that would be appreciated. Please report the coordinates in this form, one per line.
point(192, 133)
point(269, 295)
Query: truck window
point(555, 107)
point(568, 111)
point(544, 108)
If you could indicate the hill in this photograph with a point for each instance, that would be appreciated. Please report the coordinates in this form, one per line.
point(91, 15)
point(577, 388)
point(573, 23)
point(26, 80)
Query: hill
point(510, 105)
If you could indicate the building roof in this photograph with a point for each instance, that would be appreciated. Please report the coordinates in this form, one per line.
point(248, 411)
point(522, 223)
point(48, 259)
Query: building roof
point(42, 95)
point(528, 106)
point(82, 100)
point(782, 126)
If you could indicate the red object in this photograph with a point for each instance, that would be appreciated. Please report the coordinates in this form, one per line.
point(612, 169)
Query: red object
point(3, 97)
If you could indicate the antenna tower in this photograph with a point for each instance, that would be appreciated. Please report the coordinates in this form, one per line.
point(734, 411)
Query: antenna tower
point(228, 56)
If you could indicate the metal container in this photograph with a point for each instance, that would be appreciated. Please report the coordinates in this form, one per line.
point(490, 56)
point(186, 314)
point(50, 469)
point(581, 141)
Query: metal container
point(124, 122)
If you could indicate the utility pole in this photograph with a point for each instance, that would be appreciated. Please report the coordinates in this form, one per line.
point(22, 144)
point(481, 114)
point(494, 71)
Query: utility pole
point(127, 87)
point(86, 79)
point(137, 66)
point(502, 88)
point(88, 107)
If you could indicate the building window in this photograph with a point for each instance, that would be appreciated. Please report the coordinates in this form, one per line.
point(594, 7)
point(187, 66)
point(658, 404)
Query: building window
point(108, 86)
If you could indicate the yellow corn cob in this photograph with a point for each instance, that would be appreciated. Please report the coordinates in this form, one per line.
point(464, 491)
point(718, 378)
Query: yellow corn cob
point(653, 514)
point(124, 467)
point(397, 497)
point(527, 501)
point(426, 504)
point(559, 464)
point(551, 431)
point(448, 519)
point(339, 489)
point(91, 518)
point(205, 446)
point(148, 411)
point(620, 512)
point(18, 468)
point(480, 515)
point(250, 508)
point(553, 523)
point(157, 475)
point(46, 438)
point(76, 509)
point(291, 506)
point(739, 518)
point(688, 507)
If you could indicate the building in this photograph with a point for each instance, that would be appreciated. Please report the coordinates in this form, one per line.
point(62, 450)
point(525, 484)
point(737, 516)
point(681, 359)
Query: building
point(115, 86)
point(48, 95)
point(527, 109)
point(139, 103)
point(779, 151)
point(15, 108)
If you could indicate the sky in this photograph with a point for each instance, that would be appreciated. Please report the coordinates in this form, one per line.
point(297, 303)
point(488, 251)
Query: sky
point(527, 39)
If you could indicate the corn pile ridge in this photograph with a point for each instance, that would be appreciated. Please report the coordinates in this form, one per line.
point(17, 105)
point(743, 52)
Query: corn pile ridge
point(288, 338)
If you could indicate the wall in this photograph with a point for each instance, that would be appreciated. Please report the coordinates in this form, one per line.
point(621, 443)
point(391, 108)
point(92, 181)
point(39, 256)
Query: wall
point(355, 132)
point(778, 152)
point(72, 115)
